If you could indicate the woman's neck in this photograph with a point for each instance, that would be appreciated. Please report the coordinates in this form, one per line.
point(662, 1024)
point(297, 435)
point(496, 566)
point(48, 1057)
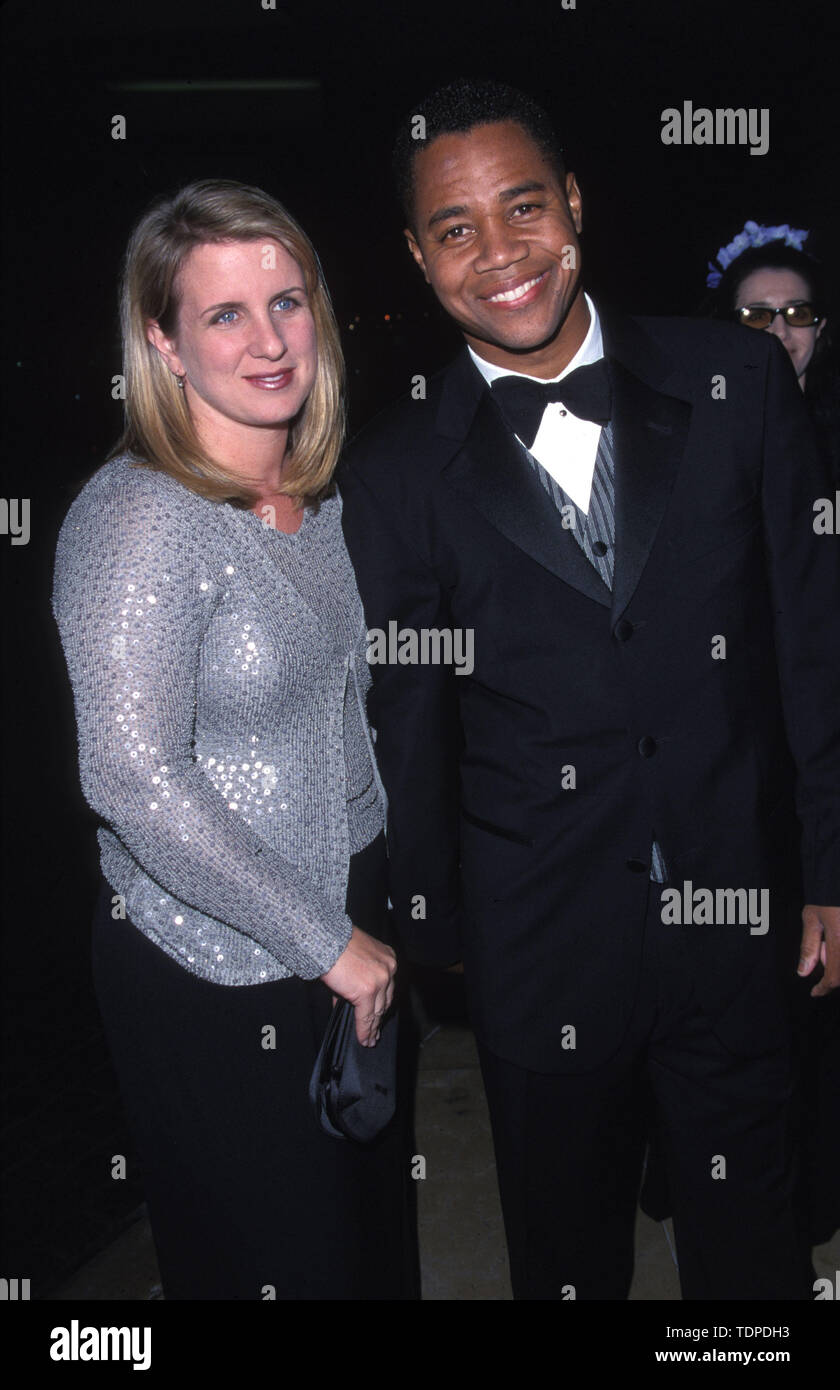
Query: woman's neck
point(280, 512)
point(255, 453)
point(258, 456)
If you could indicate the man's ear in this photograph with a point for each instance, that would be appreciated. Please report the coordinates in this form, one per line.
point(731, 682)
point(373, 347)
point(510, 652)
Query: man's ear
point(165, 346)
point(575, 201)
point(415, 251)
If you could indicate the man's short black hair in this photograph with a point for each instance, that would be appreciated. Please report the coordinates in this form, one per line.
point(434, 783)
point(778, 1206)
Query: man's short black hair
point(460, 107)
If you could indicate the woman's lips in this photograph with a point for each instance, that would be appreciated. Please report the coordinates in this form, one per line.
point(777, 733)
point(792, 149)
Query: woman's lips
point(271, 381)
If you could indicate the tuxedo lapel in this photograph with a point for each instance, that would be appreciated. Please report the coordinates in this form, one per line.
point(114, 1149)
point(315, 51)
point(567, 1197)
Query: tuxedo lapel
point(649, 432)
point(650, 428)
point(491, 471)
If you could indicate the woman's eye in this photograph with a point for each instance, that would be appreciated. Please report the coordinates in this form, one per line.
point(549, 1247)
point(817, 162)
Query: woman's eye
point(285, 302)
point(226, 316)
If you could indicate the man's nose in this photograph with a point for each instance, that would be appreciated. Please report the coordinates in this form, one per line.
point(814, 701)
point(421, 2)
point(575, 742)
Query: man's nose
point(499, 244)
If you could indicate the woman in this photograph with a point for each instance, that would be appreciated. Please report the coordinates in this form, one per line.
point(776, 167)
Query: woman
point(215, 642)
point(769, 282)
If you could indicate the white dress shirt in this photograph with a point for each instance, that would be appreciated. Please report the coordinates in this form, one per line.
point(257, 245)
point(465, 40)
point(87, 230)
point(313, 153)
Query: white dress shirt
point(566, 446)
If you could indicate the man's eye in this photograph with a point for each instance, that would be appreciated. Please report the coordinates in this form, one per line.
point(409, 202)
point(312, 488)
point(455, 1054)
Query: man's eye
point(527, 207)
point(453, 233)
point(226, 316)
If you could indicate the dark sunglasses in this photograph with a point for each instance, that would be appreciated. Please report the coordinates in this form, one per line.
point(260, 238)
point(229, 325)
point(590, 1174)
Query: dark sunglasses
point(761, 316)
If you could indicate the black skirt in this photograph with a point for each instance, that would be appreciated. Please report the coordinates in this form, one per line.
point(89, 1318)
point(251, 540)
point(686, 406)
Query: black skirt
point(248, 1198)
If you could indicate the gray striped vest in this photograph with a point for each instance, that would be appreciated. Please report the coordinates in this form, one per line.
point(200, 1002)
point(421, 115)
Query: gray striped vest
point(594, 532)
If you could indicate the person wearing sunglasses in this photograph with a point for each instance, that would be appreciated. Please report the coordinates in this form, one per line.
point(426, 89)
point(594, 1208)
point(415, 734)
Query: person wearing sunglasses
point(770, 283)
point(796, 322)
point(766, 280)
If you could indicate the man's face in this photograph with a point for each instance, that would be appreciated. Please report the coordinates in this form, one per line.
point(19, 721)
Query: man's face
point(496, 238)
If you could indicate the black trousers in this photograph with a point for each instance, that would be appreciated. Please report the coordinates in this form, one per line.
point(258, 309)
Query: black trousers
point(569, 1152)
point(248, 1198)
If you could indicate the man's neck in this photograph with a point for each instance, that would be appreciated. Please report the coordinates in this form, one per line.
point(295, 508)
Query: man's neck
point(548, 360)
point(589, 349)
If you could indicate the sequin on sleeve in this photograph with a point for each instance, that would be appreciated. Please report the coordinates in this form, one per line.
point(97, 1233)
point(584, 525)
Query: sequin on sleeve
point(134, 593)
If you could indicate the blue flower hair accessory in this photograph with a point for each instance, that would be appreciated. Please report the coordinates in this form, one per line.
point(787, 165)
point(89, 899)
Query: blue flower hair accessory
point(753, 235)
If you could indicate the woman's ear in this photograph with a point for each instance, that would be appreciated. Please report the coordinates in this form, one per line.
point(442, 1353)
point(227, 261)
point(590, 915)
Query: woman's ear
point(165, 346)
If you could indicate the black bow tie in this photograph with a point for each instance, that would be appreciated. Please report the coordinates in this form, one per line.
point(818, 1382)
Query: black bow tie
point(585, 392)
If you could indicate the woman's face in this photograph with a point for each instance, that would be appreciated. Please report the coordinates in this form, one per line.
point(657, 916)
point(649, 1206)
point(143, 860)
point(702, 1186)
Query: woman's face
point(775, 289)
point(245, 337)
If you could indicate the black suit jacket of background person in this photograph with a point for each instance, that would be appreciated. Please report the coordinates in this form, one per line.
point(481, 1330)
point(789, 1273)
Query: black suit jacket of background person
point(542, 890)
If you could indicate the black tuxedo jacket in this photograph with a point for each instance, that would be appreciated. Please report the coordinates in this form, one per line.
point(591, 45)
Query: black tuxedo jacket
point(540, 885)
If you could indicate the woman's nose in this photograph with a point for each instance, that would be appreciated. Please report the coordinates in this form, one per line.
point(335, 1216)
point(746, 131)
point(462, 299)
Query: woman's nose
point(780, 327)
point(268, 339)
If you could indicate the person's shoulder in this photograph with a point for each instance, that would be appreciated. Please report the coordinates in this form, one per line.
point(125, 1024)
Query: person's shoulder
point(128, 508)
point(124, 491)
point(404, 429)
point(693, 338)
point(127, 475)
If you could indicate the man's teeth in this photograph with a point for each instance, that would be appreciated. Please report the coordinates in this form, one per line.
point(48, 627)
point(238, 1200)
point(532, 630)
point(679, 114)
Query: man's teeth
point(509, 295)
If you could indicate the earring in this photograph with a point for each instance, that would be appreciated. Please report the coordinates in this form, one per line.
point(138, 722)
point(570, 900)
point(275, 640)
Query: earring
point(181, 380)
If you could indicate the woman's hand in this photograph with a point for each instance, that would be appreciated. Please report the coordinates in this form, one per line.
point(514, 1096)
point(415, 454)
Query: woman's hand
point(364, 974)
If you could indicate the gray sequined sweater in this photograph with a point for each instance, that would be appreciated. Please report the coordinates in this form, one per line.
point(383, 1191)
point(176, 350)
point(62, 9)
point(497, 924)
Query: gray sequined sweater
point(219, 676)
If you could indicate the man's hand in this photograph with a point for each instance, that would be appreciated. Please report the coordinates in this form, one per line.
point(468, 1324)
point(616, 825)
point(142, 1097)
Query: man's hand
point(820, 942)
point(364, 974)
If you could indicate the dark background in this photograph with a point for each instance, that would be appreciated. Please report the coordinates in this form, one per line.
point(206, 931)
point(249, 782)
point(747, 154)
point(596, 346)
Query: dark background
point(318, 138)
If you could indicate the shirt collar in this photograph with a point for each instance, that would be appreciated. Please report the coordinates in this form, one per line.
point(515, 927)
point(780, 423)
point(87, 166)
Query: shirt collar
point(590, 350)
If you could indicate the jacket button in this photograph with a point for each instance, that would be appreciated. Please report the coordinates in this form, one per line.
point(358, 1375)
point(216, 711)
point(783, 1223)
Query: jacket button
point(623, 630)
point(637, 866)
point(647, 746)
point(599, 548)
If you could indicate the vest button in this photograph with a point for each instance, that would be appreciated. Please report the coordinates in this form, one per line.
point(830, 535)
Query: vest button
point(623, 630)
point(637, 866)
point(599, 548)
point(647, 746)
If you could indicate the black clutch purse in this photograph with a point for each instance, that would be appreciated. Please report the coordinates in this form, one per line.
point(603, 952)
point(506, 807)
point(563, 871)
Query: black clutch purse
point(354, 1088)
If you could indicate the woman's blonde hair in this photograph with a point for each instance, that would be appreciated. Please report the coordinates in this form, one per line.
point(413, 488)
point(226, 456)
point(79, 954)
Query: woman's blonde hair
point(159, 430)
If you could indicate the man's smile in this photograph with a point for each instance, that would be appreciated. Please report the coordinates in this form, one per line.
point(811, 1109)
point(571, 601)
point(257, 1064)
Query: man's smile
point(518, 293)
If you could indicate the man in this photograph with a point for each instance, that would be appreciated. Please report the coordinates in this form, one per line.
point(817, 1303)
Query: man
point(598, 817)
